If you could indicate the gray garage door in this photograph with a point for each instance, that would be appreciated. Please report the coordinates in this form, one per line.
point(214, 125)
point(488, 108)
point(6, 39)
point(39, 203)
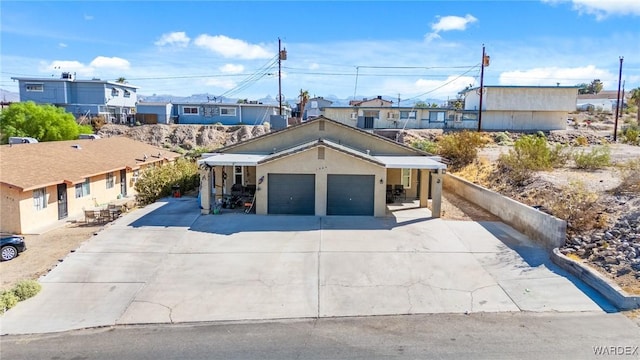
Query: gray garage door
point(350, 194)
point(292, 194)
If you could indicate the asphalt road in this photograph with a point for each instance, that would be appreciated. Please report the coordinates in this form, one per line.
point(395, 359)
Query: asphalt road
point(518, 335)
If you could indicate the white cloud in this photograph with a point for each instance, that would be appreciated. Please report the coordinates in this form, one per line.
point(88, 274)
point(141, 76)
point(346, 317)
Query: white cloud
point(178, 38)
point(314, 66)
point(449, 23)
point(59, 66)
point(62, 45)
point(554, 75)
point(603, 8)
point(88, 17)
point(110, 62)
point(232, 48)
point(231, 69)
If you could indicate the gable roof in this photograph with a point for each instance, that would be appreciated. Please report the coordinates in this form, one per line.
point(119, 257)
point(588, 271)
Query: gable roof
point(311, 122)
point(321, 142)
point(31, 166)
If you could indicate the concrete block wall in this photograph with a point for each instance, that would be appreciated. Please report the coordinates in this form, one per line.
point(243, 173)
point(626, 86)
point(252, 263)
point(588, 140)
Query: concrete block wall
point(545, 229)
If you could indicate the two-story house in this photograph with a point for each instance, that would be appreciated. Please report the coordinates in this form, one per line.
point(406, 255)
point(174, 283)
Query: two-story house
point(528, 108)
point(115, 101)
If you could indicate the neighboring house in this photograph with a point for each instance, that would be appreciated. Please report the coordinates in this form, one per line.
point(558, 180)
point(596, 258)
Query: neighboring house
point(154, 113)
point(604, 101)
point(113, 100)
point(529, 108)
point(376, 102)
point(210, 113)
point(384, 117)
point(46, 182)
point(321, 167)
point(313, 108)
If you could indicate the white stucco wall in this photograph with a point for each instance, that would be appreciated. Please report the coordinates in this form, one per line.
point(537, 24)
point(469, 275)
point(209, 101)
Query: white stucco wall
point(523, 99)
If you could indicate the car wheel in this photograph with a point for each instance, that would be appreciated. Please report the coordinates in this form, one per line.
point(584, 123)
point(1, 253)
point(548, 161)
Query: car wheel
point(9, 252)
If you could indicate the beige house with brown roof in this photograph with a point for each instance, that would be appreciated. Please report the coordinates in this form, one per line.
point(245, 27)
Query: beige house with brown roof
point(322, 167)
point(48, 182)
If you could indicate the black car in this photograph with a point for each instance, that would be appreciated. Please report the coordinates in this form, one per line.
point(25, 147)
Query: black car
point(11, 245)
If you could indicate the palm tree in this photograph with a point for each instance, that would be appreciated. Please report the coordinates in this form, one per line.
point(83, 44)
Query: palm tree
point(121, 80)
point(635, 98)
point(304, 98)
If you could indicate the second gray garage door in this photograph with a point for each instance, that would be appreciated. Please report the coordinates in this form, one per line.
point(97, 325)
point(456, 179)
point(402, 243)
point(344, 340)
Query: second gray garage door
point(350, 194)
point(292, 194)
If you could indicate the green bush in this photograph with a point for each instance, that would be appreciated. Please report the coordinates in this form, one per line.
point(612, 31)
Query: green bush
point(503, 138)
point(597, 158)
point(7, 300)
point(26, 289)
point(156, 182)
point(426, 146)
point(531, 153)
point(631, 135)
point(460, 148)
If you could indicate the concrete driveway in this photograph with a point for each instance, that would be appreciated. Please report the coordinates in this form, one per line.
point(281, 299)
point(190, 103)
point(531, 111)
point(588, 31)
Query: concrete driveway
point(167, 264)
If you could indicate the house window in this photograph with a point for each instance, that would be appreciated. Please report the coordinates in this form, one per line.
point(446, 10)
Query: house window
point(225, 111)
point(190, 110)
point(127, 93)
point(437, 116)
point(238, 175)
point(83, 189)
point(35, 87)
point(39, 199)
point(111, 180)
point(406, 178)
point(114, 92)
point(407, 114)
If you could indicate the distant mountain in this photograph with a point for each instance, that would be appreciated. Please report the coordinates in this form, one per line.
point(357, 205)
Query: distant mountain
point(9, 96)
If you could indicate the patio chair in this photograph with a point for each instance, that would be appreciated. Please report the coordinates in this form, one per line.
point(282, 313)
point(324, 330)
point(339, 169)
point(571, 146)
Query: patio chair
point(399, 190)
point(105, 215)
point(90, 216)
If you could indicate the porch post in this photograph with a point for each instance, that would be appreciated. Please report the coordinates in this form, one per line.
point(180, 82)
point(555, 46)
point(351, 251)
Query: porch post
point(436, 193)
point(205, 190)
point(424, 188)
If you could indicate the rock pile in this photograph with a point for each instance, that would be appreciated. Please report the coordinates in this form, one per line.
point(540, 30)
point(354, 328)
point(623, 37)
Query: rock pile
point(616, 250)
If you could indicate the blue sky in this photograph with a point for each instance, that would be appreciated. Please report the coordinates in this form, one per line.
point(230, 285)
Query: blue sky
point(411, 49)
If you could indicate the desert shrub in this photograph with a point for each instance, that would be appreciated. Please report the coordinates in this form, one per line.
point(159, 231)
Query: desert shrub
point(579, 207)
point(97, 122)
point(631, 134)
point(503, 138)
point(460, 148)
point(26, 289)
point(582, 141)
point(541, 134)
point(531, 153)
point(630, 175)
point(7, 300)
point(156, 182)
point(597, 158)
point(426, 146)
point(479, 172)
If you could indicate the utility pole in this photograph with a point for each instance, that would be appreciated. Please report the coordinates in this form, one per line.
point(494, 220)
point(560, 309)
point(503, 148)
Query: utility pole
point(282, 55)
point(615, 126)
point(485, 62)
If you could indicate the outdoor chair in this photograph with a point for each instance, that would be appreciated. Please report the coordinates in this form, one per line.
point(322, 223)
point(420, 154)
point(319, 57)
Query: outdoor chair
point(105, 215)
point(90, 216)
point(398, 190)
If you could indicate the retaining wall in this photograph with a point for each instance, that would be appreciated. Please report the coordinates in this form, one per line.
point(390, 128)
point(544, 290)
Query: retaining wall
point(543, 228)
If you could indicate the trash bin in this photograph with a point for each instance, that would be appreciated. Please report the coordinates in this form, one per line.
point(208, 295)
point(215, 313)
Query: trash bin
point(176, 191)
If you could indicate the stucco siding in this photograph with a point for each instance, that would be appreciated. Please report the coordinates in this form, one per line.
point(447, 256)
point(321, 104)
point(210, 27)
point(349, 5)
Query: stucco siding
point(334, 162)
point(312, 131)
point(10, 198)
point(523, 99)
point(524, 120)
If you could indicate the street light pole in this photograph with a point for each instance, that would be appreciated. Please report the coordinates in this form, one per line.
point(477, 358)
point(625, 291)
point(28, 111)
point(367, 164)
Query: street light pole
point(615, 126)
